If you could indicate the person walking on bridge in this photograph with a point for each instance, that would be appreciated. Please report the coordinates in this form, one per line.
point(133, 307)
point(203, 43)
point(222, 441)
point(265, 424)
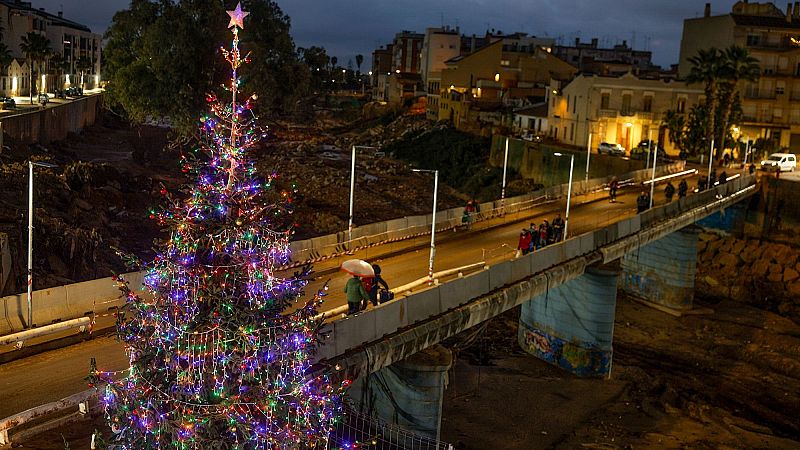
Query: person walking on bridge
point(524, 246)
point(683, 188)
point(355, 294)
point(643, 202)
point(669, 191)
point(612, 188)
point(377, 282)
point(558, 228)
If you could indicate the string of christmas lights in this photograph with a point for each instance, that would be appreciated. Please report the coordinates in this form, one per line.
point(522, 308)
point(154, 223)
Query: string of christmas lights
point(215, 359)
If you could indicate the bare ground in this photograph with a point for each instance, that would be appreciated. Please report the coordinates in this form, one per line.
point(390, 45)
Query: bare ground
point(723, 380)
point(111, 175)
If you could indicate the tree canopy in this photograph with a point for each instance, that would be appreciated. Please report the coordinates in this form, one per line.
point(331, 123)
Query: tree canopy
point(158, 52)
point(720, 72)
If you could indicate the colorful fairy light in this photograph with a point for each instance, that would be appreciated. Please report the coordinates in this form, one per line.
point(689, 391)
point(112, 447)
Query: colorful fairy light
point(215, 360)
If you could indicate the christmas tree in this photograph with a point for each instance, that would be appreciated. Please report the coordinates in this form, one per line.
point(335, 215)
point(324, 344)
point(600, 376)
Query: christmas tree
point(216, 358)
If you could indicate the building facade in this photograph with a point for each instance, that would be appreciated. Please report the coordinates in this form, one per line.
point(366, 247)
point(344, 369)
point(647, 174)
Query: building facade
point(496, 79)
point(77, 46)
point(623, 110)
point(406, 49)
point(770, 106)
point(381, 70)
point(591, 58)
point(438, 46)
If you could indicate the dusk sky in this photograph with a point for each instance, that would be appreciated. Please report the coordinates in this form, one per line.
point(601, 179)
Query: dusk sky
point(349, 27)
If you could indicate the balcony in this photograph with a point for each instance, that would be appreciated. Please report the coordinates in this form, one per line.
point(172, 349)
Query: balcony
point(759, 94)
point(609, 113)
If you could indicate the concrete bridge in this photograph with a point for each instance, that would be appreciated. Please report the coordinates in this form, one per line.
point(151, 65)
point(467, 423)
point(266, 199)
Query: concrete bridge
point(568, 293)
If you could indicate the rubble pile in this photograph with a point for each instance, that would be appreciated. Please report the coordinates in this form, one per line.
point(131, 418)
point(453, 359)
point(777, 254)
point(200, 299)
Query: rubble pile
point(110, 176)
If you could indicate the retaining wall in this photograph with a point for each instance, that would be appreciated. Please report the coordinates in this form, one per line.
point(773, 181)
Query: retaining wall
point(53, 123)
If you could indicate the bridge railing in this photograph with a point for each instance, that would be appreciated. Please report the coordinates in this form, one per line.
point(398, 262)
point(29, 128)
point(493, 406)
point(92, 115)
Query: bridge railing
point(99, 296)
point(353, 331)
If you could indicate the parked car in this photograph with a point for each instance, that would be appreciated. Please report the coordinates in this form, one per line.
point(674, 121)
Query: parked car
point(8, 103)
point(528, 136)
point(74, 91)
point(610, 149)
point(642, 150)
point(43, 99)
point(780, 162)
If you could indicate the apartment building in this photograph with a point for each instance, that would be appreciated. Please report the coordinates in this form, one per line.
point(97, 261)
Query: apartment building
point(475, 89)
point(591, 58)
point(441, 45)
point(438, 46)
point(770, 106)
point(617, 109)
point(74, 42)
point(381, 70)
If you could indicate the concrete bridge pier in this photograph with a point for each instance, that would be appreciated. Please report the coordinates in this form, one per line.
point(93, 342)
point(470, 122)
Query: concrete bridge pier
point(408, 393)
point(572, 326)
point(663, 271)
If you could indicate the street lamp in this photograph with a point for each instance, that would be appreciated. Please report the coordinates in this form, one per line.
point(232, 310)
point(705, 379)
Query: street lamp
point(30, 235)
point(654, 150)
point(710, 161)
point(503, 189)
point(352, 191)
point(588, 156)
point(569, 190)
point(433, 220)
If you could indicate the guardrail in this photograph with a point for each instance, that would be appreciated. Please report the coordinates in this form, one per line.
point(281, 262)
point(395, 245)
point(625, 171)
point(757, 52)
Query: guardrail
point(81, 400)
point(406, 287)
point(99, 296)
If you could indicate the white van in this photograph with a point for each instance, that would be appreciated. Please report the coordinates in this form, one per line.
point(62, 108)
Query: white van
point(784, 162)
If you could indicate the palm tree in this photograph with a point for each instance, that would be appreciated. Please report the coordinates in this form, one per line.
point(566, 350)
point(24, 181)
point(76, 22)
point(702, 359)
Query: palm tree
point(359, 61)
point(58, 65)
point(82, 65)
point(737, 65)
point(36, 48)
point(706, 70)
point(5, 57)
point(675, 124)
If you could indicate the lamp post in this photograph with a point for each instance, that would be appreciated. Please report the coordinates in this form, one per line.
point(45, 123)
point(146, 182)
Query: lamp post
point(588, 156)
point(654, 150)
point(503, 188)
point(710, 162)
point(30, 236)
point(569, 191)
point(352, 191)
point(433, 220)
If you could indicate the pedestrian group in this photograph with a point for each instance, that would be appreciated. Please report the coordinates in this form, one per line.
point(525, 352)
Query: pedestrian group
point(536, 237)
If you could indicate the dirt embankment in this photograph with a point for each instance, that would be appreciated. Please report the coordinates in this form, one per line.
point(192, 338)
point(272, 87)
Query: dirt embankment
point(111, 175)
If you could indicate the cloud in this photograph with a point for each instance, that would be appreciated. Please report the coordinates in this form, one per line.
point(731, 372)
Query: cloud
point(349, 27)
